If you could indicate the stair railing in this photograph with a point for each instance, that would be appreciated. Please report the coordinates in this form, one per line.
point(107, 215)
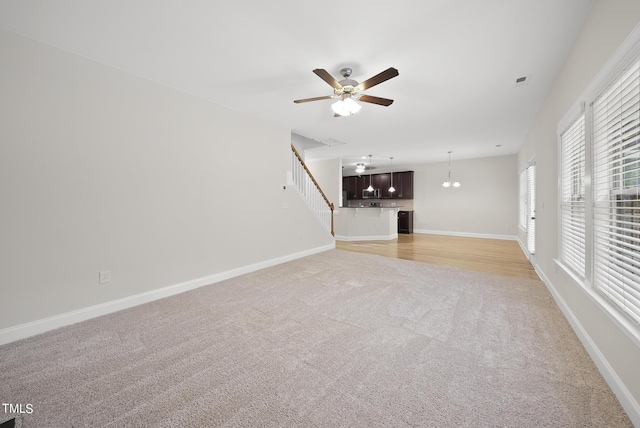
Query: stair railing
point(311, 191)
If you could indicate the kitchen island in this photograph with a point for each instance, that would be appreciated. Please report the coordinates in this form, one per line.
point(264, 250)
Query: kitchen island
point(367, 222)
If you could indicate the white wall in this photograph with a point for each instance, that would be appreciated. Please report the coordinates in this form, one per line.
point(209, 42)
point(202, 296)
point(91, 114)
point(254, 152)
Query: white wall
point(328, 174)
point(102, 170)
point(298, 141)
point(615, 352)
point(485, 205)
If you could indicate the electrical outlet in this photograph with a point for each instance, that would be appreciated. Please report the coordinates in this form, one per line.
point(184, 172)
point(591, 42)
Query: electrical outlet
point(104, 277)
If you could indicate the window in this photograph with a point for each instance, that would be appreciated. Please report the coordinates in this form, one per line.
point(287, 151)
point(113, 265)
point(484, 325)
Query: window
point(572, 190)
point(599, 188)
point(616, 186)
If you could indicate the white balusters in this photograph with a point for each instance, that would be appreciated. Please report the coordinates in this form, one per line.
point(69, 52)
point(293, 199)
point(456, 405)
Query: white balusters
point(310, 192)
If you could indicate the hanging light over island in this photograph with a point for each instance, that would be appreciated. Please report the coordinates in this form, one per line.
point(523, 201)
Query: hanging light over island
point(391, 189)
point(370, 188)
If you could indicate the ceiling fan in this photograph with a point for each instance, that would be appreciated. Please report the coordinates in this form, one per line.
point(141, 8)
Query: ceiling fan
point(348, 89)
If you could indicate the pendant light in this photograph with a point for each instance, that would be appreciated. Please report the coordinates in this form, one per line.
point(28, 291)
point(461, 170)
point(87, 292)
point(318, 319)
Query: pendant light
point(448, 183)
point(391, 189)
point(370, 188)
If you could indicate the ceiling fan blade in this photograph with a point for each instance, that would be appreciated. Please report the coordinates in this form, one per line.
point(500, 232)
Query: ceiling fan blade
point(324, 75)
point(376, 100)
point(306, 100)
point(378, 78)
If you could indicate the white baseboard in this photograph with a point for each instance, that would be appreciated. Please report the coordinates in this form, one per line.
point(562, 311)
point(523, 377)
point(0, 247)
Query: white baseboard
point(367, 238)
point(523, 247)
point(527, 254)
point(33, 328)
point(465, 234)
point(627, 401)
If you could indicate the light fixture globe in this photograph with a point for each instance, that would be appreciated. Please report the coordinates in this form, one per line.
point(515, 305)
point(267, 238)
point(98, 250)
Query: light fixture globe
point(450, 183)
point(370, 188)
point(346, 106)
point(391, 189)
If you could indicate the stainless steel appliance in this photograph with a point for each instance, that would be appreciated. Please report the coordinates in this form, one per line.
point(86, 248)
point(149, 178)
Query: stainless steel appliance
point(371, 194)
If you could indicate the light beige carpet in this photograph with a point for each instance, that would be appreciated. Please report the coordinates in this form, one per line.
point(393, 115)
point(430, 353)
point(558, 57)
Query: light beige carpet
point(338, 339)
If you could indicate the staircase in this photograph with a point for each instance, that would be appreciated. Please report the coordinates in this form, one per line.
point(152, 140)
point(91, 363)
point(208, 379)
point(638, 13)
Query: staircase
point(310, 191)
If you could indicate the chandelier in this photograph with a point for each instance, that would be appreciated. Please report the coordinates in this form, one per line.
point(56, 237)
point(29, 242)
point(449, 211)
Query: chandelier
point(449, 183)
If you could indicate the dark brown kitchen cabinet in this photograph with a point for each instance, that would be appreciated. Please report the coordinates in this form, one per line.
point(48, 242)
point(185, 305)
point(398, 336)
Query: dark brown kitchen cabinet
point(362, 183)
point(353, 187)
point(374, 180)
point(385, 183)
point(404, 186)
point(402, 182)
point(349, 186)
point(405, 221)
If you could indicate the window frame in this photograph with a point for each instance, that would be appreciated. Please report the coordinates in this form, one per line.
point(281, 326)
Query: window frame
point(616, 145)
point(627, 54)
point(572, 203)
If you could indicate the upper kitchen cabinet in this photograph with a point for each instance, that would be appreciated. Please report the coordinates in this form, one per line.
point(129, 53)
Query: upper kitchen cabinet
point(374, 180)
point(385, 183)
point(350, 185)
point(404, 186)
point(353, 185)
point(402, 182)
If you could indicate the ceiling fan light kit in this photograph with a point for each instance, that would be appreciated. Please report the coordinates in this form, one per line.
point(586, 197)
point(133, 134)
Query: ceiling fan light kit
point(346, 106)
point(348, 89)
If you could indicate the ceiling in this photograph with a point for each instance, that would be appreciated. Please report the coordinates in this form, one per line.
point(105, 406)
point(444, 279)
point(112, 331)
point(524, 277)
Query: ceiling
point(458, 62)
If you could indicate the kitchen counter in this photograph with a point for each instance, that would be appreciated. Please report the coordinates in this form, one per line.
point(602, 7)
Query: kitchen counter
point(366, 223)
point(375, 206)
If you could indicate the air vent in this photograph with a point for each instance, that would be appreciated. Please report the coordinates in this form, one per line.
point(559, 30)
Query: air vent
point(521, 81)
point(333, 142)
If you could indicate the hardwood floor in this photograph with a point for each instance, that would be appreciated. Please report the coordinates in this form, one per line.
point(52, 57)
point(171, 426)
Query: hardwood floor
point(496, 256)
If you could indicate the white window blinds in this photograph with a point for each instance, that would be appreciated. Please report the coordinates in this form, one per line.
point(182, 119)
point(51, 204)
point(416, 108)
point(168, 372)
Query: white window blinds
point(531, 209)
point(616, 177)
point(523, 199)
point(572, 216)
